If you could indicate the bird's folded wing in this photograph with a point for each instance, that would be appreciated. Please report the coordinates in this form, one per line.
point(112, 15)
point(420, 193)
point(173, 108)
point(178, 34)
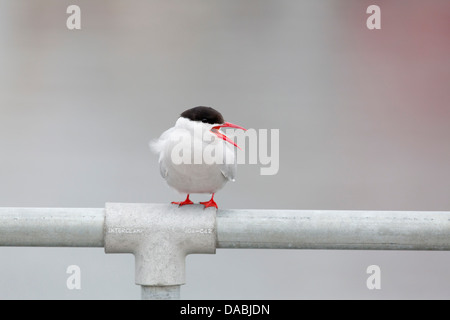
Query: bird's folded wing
point(229, 165)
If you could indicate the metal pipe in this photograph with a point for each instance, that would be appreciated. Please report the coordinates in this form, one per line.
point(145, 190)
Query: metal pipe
point(314, 229)
point(160, 292)
point(160, 236)
point(282, 229)
point(51, 227)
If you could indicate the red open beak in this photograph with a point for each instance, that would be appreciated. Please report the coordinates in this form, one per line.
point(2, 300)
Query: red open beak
point(216, 131)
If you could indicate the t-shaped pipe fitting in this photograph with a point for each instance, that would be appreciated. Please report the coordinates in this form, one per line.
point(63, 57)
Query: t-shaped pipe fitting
point(160, 236)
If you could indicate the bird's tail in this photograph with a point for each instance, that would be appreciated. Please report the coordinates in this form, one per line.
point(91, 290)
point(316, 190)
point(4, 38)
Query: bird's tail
point(156, 146)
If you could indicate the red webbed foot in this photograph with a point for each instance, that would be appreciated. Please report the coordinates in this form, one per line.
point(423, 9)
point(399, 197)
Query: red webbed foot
point(210, 203)
point(182, 203)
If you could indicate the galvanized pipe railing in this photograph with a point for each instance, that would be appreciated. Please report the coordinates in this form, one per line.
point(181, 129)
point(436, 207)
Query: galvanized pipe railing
point(52, 227)
point(141, 228)
point(270, 229)
point(318, 229)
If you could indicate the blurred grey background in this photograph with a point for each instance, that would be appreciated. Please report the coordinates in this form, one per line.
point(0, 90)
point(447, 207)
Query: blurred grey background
point(364, 119)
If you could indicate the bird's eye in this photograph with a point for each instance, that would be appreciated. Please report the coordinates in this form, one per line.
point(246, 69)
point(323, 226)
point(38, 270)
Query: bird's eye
point(204, 120)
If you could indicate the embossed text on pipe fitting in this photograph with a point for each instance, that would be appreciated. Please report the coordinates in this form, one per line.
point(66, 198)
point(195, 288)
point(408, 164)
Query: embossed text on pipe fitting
point(124, 230)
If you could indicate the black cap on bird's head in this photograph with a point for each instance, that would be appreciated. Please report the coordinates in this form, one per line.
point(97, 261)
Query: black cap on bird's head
point(211, 116)
point(204, 114)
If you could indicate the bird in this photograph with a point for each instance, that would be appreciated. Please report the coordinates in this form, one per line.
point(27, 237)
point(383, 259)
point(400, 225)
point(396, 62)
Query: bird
point(195, 156)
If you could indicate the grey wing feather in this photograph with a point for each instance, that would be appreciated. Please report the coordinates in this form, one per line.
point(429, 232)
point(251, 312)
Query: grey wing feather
point(163, 169)
point(229, 171)
point(229, 166)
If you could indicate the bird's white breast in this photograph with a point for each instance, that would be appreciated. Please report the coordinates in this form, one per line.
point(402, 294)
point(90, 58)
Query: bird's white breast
point(191, 173)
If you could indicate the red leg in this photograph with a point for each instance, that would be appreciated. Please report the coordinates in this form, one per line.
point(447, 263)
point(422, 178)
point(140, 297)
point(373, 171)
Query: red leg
point(182, 203)
point(210, 203)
